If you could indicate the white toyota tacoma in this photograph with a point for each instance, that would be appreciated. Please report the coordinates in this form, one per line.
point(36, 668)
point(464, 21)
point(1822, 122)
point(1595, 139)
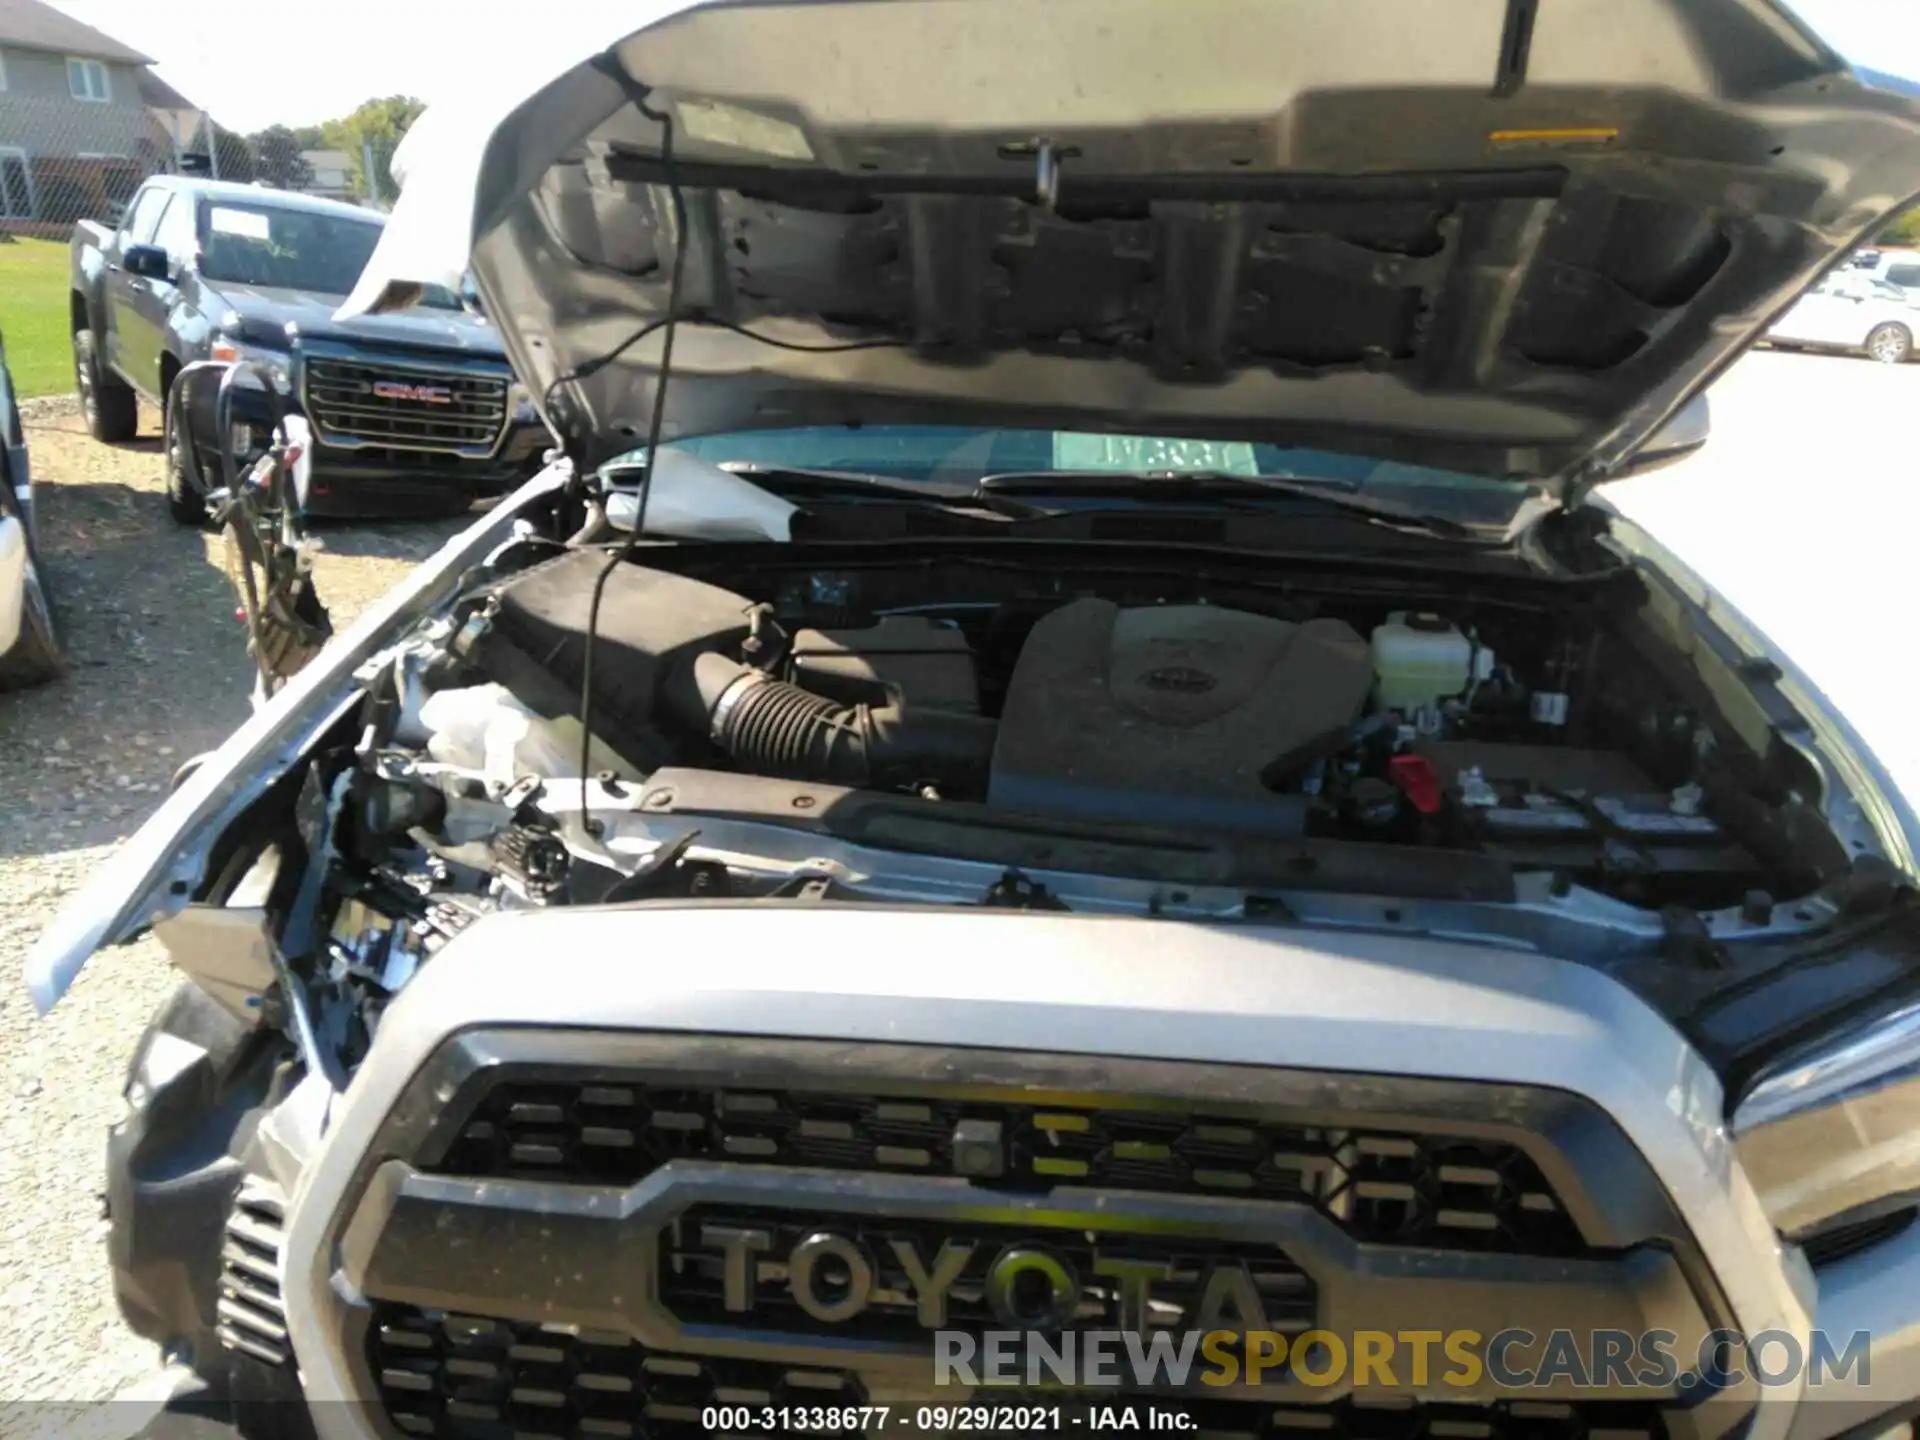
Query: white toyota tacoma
point(1067, 744)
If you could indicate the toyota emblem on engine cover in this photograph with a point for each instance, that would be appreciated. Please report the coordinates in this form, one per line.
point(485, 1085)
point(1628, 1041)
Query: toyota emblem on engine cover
point(1179, 680)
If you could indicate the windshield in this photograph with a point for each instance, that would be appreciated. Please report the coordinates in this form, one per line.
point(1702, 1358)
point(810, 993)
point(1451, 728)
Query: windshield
point(250, 244)
point(957, 458)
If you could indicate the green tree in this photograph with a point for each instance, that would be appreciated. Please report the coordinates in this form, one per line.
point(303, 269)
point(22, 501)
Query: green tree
point(236, 157)
point(276, 154)
point(377, 125)
point(1904, 231)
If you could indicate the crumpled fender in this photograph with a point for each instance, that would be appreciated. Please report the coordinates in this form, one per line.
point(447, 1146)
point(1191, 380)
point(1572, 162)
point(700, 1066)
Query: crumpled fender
point(155, 872)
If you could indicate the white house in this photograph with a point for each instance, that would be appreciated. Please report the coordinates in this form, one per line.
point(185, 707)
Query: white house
point(332, 174)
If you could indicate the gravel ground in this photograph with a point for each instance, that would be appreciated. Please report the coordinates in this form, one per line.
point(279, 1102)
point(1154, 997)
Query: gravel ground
point(159, 673)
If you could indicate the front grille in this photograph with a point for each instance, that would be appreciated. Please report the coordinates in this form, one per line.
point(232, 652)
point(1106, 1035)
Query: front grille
point(1389, 1187)
point(1850, 1239)
point(459, 412)
point(465, 1377)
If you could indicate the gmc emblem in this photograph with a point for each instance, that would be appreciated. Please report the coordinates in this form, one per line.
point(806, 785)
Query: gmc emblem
point(401, 390)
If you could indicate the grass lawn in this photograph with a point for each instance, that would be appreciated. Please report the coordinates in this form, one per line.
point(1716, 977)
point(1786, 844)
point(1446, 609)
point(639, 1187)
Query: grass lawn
point(33, 315)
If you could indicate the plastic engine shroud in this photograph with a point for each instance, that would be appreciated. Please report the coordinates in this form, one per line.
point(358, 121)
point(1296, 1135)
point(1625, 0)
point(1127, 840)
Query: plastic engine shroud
point(1172, 714)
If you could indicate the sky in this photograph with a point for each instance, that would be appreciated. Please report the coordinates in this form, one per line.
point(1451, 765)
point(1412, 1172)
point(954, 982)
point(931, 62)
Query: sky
point(257, 62)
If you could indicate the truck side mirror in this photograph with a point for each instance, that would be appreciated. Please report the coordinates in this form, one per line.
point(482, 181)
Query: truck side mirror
point(149, 262)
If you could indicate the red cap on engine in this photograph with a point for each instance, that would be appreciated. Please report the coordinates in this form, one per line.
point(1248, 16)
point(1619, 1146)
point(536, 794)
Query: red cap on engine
point(1414, 775)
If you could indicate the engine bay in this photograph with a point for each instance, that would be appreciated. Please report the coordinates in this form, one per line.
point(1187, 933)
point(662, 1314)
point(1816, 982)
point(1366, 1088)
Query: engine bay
point(1562, 764)
point(1529, 743)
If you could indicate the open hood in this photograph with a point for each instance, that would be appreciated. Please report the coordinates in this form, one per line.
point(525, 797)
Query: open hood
point(1512, 237)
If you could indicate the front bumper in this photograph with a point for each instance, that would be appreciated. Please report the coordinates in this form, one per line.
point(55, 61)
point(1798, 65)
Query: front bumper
point(366, 482)
point(1618, 1112)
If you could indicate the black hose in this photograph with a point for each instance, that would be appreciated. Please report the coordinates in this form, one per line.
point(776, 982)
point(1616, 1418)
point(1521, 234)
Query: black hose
point(179, 406)
point(778, 729)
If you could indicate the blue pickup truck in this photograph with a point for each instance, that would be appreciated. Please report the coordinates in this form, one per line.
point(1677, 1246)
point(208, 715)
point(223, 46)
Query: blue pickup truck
point(412, 411)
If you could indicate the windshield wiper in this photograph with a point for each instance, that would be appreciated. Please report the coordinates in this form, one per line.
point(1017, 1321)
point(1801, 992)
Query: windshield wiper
point(1220, 485)
point(1002, 494)
point(797, 482)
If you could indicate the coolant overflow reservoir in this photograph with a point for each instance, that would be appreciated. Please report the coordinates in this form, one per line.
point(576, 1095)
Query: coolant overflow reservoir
point(1419, 659)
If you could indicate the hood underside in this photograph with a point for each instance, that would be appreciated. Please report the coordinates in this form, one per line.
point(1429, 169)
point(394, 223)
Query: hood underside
point(1511, 237)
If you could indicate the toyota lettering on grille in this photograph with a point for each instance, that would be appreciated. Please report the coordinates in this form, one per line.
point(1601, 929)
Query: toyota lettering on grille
point(887, 1280)
point(405, 390)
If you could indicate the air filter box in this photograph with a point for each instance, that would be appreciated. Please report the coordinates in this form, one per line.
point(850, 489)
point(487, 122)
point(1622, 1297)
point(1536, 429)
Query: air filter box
point(650, 622)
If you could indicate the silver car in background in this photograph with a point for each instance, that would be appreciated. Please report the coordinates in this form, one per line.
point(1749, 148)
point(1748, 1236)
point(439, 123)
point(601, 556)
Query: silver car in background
point(1853, 310)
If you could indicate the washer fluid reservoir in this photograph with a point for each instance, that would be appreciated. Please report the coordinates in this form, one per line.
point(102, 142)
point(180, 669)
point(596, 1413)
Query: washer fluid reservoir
point(1418, 660)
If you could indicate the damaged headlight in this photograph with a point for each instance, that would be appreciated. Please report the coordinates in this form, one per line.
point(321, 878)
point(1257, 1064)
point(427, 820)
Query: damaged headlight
point(1836, 1135)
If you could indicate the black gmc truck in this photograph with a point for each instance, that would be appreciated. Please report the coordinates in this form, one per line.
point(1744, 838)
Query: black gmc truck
point(412, 411)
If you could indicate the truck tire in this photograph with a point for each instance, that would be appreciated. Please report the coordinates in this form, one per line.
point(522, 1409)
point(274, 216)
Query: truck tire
point(111, 409)
point(184, 503)
point(35, 656)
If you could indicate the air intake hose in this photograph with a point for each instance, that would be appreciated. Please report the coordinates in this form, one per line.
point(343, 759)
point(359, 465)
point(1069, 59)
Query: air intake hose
point(774, 728)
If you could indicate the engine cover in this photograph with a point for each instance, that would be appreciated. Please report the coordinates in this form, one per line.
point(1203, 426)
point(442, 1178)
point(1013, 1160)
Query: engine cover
point(1171, 714)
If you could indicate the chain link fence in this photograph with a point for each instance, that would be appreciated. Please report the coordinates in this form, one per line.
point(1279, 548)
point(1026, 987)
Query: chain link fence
point(63, 159)
point(78, 137)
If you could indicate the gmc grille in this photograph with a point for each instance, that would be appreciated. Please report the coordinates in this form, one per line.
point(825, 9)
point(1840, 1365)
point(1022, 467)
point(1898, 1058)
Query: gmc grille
point(357, 404)
point(1398, 1188)
point(465, 1377)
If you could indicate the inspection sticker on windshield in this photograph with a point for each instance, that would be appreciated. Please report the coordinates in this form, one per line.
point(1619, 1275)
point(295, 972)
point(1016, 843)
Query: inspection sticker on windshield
point(1129, 454)
point(250, 223)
